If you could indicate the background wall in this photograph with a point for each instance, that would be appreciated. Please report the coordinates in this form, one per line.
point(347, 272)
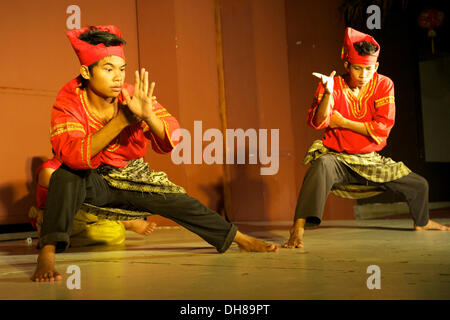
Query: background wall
point(269, 49)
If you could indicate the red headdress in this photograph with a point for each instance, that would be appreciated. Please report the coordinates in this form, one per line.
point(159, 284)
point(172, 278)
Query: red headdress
point(88, 53)
point(349, 52)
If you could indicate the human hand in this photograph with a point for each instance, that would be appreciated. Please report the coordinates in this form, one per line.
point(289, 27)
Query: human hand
point(327, 82)
point(141, 104)
point(336, 120)
point(129, 117)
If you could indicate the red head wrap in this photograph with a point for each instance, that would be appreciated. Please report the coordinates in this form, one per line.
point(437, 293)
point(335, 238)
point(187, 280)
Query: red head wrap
point(88, 53)
point(349, 52)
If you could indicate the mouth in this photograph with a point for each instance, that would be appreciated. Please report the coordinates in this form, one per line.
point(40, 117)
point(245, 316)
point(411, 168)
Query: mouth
point(116, 89)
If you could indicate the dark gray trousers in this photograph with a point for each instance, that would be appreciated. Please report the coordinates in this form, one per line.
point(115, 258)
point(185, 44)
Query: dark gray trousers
point(327, 171)
point(69, 189)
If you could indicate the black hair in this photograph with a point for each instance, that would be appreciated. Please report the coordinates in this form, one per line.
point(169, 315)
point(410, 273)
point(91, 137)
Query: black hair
point(365, 48)
point(94, 36)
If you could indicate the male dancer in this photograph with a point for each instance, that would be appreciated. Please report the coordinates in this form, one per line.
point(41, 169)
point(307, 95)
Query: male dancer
point(357, 111)
point(100, 130)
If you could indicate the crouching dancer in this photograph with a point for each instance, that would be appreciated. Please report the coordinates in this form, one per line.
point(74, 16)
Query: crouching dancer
point(357, 111)
point(100, 130)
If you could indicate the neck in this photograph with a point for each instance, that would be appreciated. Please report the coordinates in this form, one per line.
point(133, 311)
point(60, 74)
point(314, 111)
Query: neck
point(99, 102)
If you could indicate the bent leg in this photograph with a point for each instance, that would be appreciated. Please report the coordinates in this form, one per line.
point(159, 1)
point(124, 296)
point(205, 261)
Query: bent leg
point(323, 174)
point(67, 191)
point(196, 217)
point(187, 212)
point(414, 188)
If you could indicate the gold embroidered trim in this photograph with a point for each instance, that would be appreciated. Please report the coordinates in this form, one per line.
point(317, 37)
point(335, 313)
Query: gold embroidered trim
point(116, 145)
point(67, 129)
point(96, 124)
point(166, 128)
point(82, 152)
point(358, 107)
point(88, 151)
point(67, 124)
point(371, 131)
point(384, 101)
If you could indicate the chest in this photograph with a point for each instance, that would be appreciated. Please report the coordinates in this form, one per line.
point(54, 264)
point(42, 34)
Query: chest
point(358, 107)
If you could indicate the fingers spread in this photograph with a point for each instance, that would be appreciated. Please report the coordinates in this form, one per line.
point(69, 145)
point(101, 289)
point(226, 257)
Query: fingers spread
point(145, 88)
point(137, 81)
point(142, 76)
point(150, 92)
point(126, 95)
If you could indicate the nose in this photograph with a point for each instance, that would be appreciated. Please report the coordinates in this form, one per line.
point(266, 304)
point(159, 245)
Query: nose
point(364, 73)
point(118, 76)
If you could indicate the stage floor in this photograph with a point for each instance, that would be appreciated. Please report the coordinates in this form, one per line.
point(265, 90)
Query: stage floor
point(174, 264)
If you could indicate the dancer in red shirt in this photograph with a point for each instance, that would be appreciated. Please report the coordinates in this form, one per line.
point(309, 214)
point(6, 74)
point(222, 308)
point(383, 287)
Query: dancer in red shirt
point(357, 111)
point(100, 131)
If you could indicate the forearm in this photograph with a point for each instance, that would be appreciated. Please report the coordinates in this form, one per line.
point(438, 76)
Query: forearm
point(355, 126)
point(156, 126)
point(323, 110)
point(103, 137)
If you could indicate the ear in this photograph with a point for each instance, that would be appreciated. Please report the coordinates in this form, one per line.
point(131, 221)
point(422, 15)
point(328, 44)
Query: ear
point(376, 66)
point(346, 65)
point(84, 71)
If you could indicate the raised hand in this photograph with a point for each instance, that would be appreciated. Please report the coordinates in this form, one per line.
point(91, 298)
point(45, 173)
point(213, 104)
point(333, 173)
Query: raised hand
point(327, 82)
point(141, 104)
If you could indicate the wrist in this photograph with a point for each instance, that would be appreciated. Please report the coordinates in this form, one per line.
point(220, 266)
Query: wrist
point(152, 118)
point(344, 123)
point(121, 120)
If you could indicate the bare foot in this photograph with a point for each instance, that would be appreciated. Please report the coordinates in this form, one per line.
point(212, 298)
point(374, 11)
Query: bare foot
point(432, 225)
point(45, 269)
point(140, 226)
point(296, 237)
point(250, 244)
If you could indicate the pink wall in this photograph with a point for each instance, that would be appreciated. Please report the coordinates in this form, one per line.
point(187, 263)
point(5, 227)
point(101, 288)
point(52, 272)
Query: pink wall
point(268, 85)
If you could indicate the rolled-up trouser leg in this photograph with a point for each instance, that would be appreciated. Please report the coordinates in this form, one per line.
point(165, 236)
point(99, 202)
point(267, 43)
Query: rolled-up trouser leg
point(415, 190)
point(324, 173)
point(187, 212)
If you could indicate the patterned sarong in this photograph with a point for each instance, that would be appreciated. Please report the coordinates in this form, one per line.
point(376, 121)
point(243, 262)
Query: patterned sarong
point(371, 166)
point(135, 176)
point(101, 225)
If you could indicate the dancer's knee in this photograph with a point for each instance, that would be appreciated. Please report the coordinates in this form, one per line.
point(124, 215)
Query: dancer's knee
point(64, 175)
point(422, 184)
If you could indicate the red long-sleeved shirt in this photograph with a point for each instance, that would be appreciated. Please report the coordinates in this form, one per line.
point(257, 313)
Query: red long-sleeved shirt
point(375, 108)
point(73, 124)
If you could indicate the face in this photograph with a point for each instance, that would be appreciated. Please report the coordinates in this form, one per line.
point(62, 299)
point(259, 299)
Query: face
point(107, 77)
point(360, 74)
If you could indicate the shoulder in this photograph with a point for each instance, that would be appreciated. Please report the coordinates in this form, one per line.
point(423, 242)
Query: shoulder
point(385, 82)
point(339, 83)
point(69, 94)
